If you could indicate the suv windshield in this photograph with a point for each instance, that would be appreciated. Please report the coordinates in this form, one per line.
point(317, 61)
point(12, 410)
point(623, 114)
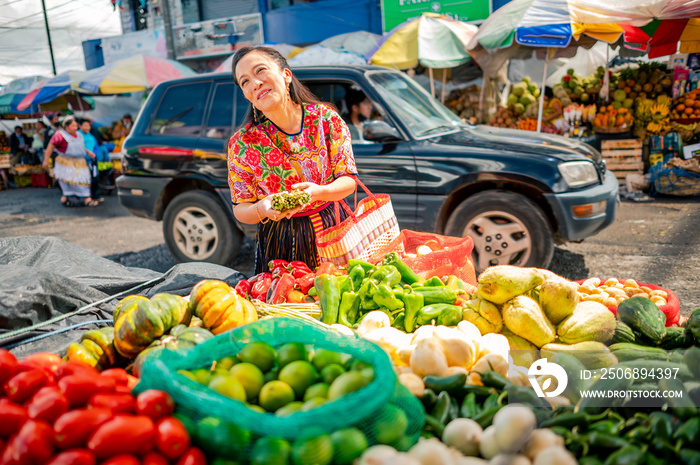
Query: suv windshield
point(417, 108)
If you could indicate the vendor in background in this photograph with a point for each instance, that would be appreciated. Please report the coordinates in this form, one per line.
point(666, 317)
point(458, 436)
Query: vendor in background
point(553, 109)
point(127, 122)
point(70, 167)
point(38, 141)
point(91, 149)
point(19, 147)
point(360, 107)
point(288, 140)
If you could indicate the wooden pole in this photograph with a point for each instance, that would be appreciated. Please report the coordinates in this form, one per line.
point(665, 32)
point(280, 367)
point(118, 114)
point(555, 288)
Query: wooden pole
point(444, 83)
point(544, 79)
point(432, 83)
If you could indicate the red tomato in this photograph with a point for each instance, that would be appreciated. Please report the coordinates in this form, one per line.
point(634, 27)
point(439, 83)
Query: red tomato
point(119, 374)
point(73, 457)
point(154, 404)
point(73, 429)
point(122, 389)
point(154, 458)
point(8, 365)
point(47, 404)
point(33, 443)
point(117, 403)
point(171, 437)
point(123, 434)
point(72, 368)
point(44, 361)
point(122, 459)
point(12, 417)
point(193, 456)
point(79, 388)
point(24, 385)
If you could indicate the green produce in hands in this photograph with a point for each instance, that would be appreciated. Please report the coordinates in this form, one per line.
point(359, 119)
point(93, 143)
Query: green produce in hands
point(288, 200)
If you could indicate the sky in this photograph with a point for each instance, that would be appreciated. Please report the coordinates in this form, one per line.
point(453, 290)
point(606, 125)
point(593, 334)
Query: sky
point(24, 49)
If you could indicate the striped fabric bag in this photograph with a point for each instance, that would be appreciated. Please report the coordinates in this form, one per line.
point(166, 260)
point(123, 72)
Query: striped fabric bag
point(371, 227)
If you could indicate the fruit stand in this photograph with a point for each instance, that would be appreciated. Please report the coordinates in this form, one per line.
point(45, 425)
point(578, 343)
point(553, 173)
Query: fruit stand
point(380, 361)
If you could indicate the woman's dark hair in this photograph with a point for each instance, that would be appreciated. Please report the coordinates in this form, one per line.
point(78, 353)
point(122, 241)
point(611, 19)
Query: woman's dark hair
point(298, 92)
point(68, 121)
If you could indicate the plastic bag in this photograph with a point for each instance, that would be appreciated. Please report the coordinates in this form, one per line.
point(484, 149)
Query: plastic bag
point(377, 404)
point(450, 256)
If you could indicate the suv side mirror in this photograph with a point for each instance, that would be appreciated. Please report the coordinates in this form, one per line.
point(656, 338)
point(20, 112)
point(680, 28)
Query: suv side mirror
point(380, 131)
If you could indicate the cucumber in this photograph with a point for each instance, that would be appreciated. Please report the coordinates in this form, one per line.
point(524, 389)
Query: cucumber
point(625, 351)
point(677, 338)
point(644, 317)
point(623, 333)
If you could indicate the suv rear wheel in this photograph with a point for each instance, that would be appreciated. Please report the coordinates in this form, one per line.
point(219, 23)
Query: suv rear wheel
point(507, 229)
point(197, 229)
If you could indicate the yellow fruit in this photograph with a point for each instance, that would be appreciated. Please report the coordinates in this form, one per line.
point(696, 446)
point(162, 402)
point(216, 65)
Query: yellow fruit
point(250, 376)
point(330, 372)
point(290, 352)
point(228, 386)
point(346, 383)
point(299, 374)
point(323, 357)
point(590, 321)
point(226, 363)
point(313, 451)
point(484, 315)
point(260, 354)
point(317, 390)
point(289, 409)
point(558, 298)
point(313, 403)
point(275, 395)
point(524, 317)
point(348, 444)
point(203, 375)
point(257, 408)
point(389, 425)
point(499, 284)
point(188, 374)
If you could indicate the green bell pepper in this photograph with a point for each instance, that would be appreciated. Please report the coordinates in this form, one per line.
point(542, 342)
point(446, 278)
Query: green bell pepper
point(689, 432)
point(356, 275)
point(349, 308)
point(450, 315)
point(384, 297)
point(366, 266)
point(387, 274)
point(412, 303)
point(407, 274)
point(328, 296)
point(433, 282)
point(398, 322)
point(312, 292)
point(428, 313)
point(437, 294)
point(344, 284)
point(367, 291)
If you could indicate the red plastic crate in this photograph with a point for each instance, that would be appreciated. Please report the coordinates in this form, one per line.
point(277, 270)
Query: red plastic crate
point(41, 180)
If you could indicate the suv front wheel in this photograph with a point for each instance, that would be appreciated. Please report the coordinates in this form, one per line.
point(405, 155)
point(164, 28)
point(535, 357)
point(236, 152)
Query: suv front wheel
point(197, 229)
point(507, 229)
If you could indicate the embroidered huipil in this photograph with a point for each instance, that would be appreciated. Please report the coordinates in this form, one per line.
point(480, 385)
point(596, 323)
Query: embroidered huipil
point(264, 160)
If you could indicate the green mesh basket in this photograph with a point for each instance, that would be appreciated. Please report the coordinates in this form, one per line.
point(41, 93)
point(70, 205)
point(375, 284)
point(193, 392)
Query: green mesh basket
point(373, 409)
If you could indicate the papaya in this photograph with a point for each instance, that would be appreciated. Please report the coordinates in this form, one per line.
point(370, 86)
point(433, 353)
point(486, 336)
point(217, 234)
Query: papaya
point(590, 321)
point(525, 318)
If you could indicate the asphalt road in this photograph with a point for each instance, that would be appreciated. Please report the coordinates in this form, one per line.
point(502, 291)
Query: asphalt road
point(656, 242)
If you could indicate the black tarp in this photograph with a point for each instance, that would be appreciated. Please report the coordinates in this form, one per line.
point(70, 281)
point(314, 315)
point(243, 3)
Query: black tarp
point(45, 278)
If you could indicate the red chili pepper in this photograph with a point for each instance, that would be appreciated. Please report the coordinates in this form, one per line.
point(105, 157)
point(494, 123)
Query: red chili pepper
point(172, 438)
point(8, 365)
point(123, 434)
point(72, 368)
point(260, 277)
point(260, 288)
point(299, 268)
point(284, 286)
point(73, 457)
point(79, 388)
point(121, 377)
point(272, 264)
point(154, 458)
point(306, 282)
point(193, 456)
point(24, 385)
point(117, 403)
point(279, 271)
point(73, 429)
point(327, 268)
point(12, 417)
point(122, 459)
point(154, 404)
point(47, 404)
point(243, 288)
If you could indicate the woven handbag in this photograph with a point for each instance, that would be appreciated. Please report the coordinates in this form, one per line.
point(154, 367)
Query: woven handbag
point(372, 226)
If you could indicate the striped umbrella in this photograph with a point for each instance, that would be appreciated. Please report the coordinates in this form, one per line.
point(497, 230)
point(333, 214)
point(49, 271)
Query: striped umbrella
point(133, 74)
point(12, 94)
point(49, 89)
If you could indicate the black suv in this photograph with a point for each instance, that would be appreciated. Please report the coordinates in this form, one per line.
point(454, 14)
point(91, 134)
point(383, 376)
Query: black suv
point(515, 193)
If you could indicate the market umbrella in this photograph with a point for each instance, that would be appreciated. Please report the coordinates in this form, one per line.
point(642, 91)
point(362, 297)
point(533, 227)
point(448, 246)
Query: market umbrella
point(13, 93)
point(285, 50)
point(48, 89)
point(322, 55)
point(360, 42)
point(133, 74)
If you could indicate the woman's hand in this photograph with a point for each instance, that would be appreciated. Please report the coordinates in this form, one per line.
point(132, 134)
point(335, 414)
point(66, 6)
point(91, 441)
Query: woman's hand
point(316, 192)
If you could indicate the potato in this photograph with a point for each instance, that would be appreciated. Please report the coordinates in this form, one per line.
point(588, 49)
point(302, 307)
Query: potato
point(611, 281)
point(631, 283)
point(610, 302)
point(591, 282)
point(645, 289)
point(660, 293)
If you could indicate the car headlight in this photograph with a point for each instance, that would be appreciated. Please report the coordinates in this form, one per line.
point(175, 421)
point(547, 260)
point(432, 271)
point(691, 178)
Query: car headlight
point(578, 173)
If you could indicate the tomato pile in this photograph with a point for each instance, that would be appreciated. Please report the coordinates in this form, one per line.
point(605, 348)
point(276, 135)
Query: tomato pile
point(59, 413)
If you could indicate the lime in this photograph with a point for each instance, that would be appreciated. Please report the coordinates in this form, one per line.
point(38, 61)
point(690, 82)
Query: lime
point(348, 444)
point(346, 383)
point(403, 444)
point(219, 371)
point(227, 362)
point(313, 403)
point(299, 374)
point(323, 357)
point(250, 377)
point(313, 451)
point(228, 386)
point(357, 365)
point(257, 408)
point(188, 374)
point(270, 451)
point(330, 372)
point(275, 394)
point(389, 425)
point(221, 438)
point(290, 352)
point(260, 354)
point(368, 374)
point(290, 408)
point(203, 375)
point(317, 390)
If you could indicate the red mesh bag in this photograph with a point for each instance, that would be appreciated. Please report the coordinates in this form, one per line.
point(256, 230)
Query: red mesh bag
point(672, 309)
point(450, 256)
